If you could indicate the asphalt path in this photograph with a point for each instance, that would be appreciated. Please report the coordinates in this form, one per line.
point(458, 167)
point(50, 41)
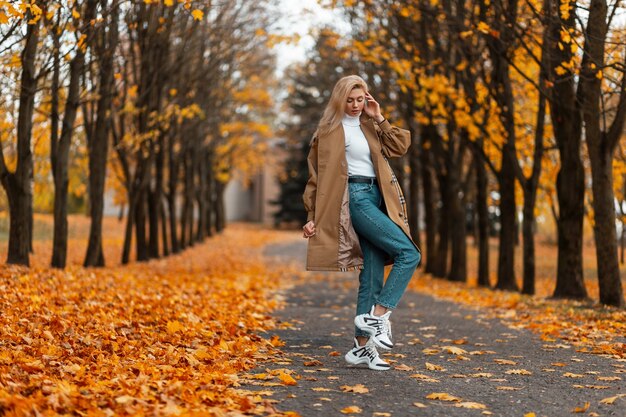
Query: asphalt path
point(442, 350)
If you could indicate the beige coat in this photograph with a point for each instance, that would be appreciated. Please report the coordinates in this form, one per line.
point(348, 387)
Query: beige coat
point(335, 245)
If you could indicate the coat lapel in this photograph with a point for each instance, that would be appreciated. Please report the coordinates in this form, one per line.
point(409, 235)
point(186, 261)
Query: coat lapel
point(367, 126)
point(337, 142)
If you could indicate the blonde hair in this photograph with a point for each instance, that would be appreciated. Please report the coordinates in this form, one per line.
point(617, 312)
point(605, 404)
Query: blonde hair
point(333, 113)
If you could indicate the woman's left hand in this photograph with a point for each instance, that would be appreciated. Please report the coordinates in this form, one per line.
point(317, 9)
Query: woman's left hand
point(372, 108)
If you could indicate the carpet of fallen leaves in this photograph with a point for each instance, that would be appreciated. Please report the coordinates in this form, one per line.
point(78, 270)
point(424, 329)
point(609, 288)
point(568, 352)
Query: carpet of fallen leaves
point(165, 337)
point(584, 324)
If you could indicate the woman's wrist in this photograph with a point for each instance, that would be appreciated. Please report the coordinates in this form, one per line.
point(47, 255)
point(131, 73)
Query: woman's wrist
point(379, 118)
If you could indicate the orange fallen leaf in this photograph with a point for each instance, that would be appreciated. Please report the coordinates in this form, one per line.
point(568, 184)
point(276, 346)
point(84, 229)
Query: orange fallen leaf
point(420, 405)
point(609, 378)
point(591, 386)
point(174, 326)
point(358, 388)
point(403, 368)
point(287, 379)
point(571, 375)
point(423, 377)
point(453, 350)
point(443, 396)
point(611, 400)
point(518, 372)
point(353, 409)
point(276, 342)
point(504, 362)
point(470, 404)
point(582, 409)
point(432, 367)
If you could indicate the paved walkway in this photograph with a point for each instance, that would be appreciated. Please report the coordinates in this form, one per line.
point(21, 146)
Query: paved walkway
point(442, 350)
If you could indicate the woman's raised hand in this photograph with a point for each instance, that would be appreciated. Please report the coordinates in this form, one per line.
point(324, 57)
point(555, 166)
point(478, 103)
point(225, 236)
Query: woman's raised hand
point(309, 229)
point(372, 108)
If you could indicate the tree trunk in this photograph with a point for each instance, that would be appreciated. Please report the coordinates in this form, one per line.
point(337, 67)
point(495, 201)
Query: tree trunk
point(171, 204)
point(201, 199)
point(483, 222)
point(456, 214)
point(414, 181)
point(60, 155)
point(210, 205)
point(430, 211)
point(570, 182)
point(141, 243)
point(59, 245)
point(570, 192)
point(505, 16)
point(163, 222)
point(506, 252)
point(98, 145)
point(623, 234)
point(601, 145)
point(17, 184)
point(220, 215)
point(528, 286)
point(440, 268)
point(187, 214)
point(611, 291)
point(171, 195)
point(153, 208)
point(128, 231)
point(156, 198)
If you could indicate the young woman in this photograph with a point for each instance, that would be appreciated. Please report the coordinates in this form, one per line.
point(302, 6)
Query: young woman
point(357, 218)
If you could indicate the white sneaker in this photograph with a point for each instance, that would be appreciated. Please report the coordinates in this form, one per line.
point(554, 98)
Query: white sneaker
point(366, 354)
point(379, 327)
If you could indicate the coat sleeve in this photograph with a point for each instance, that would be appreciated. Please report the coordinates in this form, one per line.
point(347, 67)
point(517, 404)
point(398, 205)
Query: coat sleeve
point(394, 141)
point(310, 191)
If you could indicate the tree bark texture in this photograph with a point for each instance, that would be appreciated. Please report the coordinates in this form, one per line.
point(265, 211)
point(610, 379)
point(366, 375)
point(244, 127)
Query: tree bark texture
point(18, 184)
point(98, 142)
point(567, 125)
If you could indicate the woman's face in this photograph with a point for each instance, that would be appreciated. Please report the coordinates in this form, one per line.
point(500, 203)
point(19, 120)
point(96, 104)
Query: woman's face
point(355, 102)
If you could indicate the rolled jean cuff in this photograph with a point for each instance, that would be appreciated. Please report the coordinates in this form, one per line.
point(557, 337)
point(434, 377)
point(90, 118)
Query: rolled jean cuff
point(387, 306)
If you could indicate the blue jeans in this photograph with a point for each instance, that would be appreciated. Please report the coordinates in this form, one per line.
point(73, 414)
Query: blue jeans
point(380, 238)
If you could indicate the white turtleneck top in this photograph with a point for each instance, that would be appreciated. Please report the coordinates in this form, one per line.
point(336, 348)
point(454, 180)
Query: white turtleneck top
point(357, 149)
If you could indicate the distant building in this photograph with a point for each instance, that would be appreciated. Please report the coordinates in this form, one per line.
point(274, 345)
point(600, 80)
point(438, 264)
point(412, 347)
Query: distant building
point(252, 203)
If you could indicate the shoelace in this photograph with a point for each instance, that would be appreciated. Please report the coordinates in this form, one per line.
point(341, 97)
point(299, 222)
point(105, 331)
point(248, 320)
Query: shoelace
point(371, 351)
point(367, 351)
point(382, 326)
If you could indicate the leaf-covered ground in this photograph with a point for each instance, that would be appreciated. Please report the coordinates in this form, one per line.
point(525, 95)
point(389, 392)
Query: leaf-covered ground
point(186, 335)
point(166, 337)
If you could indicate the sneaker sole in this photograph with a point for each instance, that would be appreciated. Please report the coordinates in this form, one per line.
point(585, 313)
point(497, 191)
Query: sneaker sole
point(360, 323)
point(361, 361)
